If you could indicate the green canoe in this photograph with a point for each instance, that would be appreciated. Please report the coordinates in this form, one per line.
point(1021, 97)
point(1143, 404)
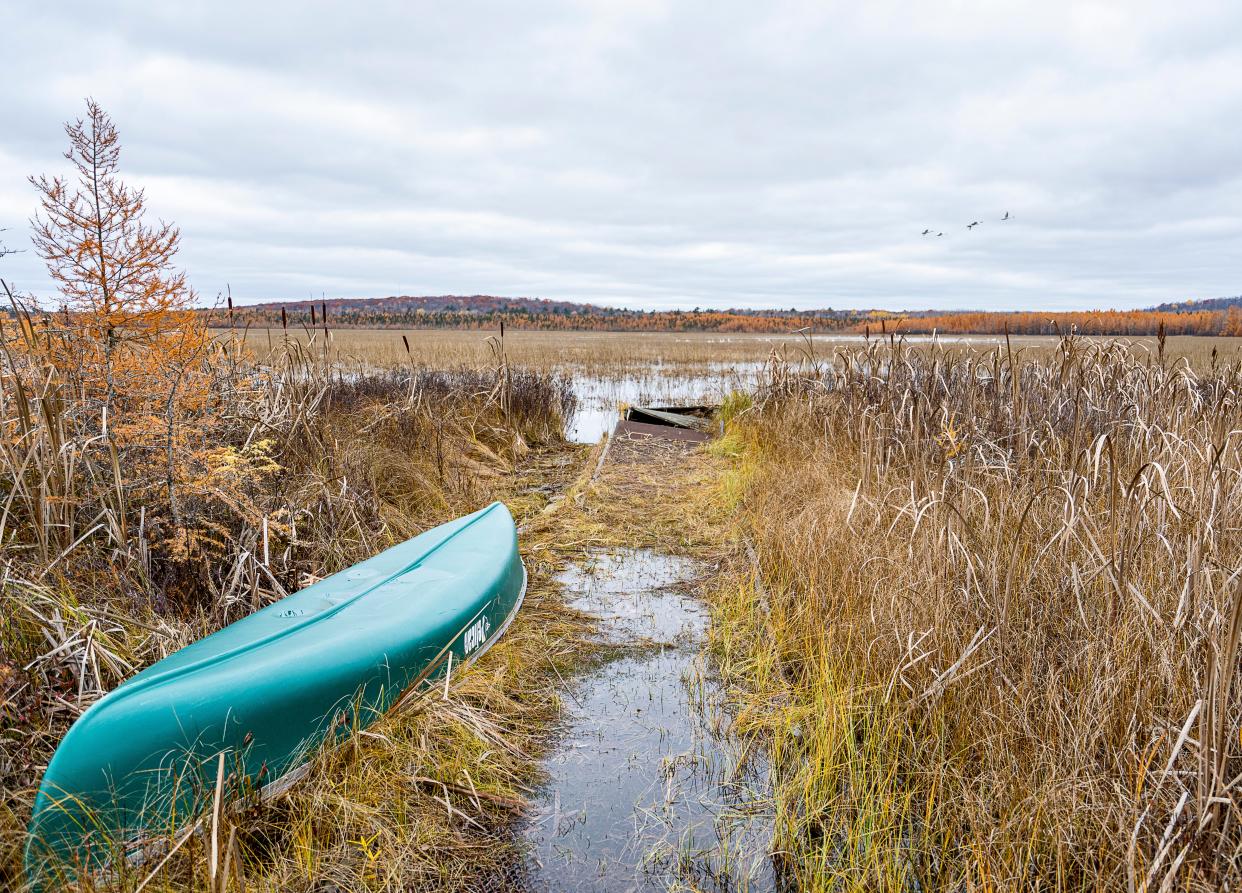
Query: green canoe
point(267, 690)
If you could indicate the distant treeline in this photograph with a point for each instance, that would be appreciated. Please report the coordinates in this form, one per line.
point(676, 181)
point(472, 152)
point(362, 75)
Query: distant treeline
point(487, 312)
point(1093, 322)
point(1217, 316)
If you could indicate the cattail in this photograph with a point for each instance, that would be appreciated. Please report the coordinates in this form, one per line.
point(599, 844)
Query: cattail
point(407, 345)
point(284, 320)
point(314, 322)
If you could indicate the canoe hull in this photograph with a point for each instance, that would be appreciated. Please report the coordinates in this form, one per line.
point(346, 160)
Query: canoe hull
point(269, 689)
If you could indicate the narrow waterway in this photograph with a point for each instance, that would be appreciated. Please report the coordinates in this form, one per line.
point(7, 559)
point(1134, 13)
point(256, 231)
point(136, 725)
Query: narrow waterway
point(647, 790)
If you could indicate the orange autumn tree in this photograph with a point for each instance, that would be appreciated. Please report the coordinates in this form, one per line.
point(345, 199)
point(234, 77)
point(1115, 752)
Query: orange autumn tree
point(124, 336)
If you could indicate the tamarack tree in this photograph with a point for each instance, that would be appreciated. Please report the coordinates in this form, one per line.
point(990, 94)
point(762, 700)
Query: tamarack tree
point(127, 308)
point(132, 357)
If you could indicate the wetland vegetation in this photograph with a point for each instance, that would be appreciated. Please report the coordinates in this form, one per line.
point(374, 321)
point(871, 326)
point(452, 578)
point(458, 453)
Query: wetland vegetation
point(990, 625)
point(957, 613)
point(973, 602)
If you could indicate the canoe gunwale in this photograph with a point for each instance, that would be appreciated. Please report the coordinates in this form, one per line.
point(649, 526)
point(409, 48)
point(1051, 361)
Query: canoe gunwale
point(143, 681)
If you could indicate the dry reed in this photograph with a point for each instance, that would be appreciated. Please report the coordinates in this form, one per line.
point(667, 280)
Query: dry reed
point(992, 631)
point(304, 467)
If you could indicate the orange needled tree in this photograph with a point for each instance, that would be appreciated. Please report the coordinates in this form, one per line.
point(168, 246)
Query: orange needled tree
point(125, 337)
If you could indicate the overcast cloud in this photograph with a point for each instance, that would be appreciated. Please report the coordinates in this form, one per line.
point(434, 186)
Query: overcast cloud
point(657, 154)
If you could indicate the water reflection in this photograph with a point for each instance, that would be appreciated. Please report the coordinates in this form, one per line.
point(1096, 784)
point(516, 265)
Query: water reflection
point(600, 396)
point(647, 788)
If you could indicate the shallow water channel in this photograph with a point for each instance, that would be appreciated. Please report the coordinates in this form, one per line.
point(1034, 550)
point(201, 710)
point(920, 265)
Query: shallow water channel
point(646, 788)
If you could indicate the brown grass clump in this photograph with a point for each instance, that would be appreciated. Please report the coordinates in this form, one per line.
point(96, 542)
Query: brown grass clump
point(301, 468)
point(646, 493)
point(994, 629)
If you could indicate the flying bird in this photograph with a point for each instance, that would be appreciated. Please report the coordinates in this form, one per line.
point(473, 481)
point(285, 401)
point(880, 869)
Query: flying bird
point(972, 225)
point(926, 231)
point(939, 234)
point(1006, 217)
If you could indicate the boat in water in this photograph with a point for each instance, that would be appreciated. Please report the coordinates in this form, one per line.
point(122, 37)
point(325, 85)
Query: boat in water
point(259, 696)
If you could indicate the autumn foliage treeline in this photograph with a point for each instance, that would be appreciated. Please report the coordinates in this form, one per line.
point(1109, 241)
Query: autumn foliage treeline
point(1092, 322)
point(484, 312)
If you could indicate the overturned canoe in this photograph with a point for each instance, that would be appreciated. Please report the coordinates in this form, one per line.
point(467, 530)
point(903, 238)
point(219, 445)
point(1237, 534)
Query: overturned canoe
point(267, 690)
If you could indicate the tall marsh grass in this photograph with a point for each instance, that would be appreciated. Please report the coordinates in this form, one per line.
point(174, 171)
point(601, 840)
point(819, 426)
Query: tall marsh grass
point(994, 623)
point(115, 551)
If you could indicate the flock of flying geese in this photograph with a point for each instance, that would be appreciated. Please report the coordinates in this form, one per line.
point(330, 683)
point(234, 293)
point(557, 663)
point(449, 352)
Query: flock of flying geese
point(928, 232)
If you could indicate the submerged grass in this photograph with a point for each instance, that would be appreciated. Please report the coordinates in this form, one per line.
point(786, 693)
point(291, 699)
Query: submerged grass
point(988, 617)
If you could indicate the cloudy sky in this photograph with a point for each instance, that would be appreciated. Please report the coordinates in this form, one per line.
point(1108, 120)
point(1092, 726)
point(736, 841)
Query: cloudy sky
point(657, 154)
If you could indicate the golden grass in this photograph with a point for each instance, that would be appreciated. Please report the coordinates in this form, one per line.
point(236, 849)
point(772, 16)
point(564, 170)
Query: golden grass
point(661, 499)
point(614, 353)
point(991, 628)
